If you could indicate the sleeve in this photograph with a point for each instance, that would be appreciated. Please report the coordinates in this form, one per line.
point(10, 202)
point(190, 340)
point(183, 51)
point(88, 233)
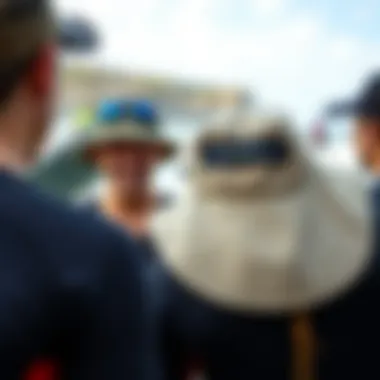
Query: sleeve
point(115, 338)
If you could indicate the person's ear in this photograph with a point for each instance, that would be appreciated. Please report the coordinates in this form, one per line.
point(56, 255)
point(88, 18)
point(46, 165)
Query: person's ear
point(42, 71)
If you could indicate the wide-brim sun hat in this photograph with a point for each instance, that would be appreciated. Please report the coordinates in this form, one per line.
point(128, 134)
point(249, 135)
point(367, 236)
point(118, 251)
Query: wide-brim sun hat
point(128, 122)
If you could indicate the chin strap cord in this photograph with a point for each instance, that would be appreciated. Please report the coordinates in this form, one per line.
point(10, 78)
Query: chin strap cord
point(303, 348)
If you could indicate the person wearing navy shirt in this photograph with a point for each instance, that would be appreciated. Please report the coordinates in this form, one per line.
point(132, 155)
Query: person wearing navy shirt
point(72, 298)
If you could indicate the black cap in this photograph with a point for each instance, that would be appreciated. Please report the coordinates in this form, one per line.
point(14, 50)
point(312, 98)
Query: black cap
point(366, 104)
point(26, 24)
point(77, 34)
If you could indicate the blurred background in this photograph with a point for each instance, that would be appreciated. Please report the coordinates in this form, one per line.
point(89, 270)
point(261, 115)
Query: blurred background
point(197, 57)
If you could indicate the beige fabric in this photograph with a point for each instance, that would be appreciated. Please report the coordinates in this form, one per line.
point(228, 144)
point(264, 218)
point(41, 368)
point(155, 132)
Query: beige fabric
point(301, 244)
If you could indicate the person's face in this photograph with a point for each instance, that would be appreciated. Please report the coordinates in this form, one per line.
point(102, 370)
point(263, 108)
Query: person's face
point(127, 166)
point(367, 140)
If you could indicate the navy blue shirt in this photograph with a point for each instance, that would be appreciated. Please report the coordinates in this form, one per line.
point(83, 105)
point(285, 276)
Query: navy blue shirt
point(70, 290)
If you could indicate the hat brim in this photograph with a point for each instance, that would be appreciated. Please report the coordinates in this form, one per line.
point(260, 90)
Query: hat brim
point(165, 150)
point(129, 137)
point(77, 35)
point(353, 108)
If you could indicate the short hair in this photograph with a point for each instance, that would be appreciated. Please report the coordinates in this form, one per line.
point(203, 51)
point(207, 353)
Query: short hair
point(25, 25)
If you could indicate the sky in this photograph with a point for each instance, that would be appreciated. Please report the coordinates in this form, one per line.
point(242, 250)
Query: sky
point(292, 54)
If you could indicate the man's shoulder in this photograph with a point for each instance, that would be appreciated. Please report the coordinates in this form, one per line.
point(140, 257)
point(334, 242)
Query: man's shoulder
point(51, 222)
point(67, 220)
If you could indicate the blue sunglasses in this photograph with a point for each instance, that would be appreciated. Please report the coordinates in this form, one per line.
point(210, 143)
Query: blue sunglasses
point(140, 111)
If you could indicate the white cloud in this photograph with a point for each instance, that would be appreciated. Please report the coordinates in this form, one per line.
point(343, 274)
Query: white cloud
point(297, 61)
point(268, 7)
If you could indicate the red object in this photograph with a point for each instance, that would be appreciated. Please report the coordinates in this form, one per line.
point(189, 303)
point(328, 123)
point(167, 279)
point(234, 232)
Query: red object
point(42, 370)
point(194, 370)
